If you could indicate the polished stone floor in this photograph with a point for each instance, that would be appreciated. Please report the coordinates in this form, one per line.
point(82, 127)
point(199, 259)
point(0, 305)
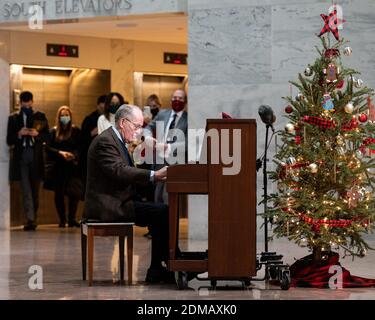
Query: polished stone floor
point(57, 252)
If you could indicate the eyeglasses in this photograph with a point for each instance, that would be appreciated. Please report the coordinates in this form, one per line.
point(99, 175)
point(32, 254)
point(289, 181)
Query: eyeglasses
point(136, 126)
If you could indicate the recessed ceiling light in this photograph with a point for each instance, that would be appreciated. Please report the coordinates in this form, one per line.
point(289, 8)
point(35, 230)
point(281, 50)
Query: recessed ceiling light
point(126, 25)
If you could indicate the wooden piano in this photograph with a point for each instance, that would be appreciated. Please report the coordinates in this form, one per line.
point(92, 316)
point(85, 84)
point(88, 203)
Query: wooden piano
point(231, 250)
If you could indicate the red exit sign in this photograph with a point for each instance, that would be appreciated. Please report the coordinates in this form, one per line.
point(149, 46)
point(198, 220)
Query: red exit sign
point(175, 58)
point(62, 50)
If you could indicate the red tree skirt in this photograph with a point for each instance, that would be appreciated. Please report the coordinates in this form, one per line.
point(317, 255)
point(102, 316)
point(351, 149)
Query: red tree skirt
point(306, 273)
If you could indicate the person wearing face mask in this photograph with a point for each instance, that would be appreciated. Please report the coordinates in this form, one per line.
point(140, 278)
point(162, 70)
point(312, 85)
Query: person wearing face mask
point(111, 194)
point(174, 118)
point(26, 133)
point(63, 149)
point(112, 102)
point(153, 102)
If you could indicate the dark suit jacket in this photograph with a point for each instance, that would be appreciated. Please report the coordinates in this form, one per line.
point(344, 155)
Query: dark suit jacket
point(111, 180)
point(182, 125)
point(88, 124)
point(38, 121)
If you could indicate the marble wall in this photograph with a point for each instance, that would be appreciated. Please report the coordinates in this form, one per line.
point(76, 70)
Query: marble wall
point(4, 108)
point(122, 68)
point(243, 53)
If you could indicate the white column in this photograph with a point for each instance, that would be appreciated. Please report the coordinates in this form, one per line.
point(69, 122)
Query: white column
point(4, 109)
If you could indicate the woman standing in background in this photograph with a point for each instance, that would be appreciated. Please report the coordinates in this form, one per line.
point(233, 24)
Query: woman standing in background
point(64, 148)
point(113, 101)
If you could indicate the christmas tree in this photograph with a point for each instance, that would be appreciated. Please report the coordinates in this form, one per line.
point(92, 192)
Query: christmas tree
point(324, 169)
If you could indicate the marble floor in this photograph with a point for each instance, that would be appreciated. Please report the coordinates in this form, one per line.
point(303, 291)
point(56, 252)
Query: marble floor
point(57, 252)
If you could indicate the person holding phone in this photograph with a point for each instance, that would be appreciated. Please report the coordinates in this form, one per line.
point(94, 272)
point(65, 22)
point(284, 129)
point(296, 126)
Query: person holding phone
point(26, 133)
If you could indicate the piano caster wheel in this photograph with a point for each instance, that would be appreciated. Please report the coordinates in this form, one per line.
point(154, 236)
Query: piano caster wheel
point(285, 280)
point(273, 272)
point(181, 280)
point(246, 283)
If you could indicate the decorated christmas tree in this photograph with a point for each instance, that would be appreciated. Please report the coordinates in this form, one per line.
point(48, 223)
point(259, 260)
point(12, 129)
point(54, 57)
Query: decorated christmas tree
point(324, 164)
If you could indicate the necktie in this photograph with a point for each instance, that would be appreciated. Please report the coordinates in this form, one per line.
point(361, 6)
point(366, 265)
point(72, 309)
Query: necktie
point(130, 161)
point(171, 127)
point(173, 123)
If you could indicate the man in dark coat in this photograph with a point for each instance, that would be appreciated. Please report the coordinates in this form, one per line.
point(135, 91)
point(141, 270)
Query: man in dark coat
point(27, 131)
point(110, 189)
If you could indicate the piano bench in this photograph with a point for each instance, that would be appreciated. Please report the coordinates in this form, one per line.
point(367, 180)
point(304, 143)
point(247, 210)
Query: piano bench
point(91, 229)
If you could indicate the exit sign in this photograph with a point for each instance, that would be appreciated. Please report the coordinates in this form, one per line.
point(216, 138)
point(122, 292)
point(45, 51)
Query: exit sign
point(62, 50)
point(175, 58)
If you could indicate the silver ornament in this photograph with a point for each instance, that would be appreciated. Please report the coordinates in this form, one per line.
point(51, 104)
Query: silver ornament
point(359, 154)
point(313, 168)
point(349, 108)
point(358, 83)
point(308, 72)
point(362, 193)
point(291, 161)
point(362, 253)
point(289, 127)
point(300, 97)
point(348, 51)
point(341, 151)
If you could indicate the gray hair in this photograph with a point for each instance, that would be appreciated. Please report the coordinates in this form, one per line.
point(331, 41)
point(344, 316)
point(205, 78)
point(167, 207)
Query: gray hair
point(125, 111)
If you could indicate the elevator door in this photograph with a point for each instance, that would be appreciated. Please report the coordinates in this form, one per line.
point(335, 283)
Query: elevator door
point(76, 88)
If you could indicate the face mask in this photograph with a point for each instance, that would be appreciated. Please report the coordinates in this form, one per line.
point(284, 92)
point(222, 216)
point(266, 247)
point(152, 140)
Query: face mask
point(178, 105)
point(154, 112)
point(27, 111)
point(113, 108)
point(64, 120)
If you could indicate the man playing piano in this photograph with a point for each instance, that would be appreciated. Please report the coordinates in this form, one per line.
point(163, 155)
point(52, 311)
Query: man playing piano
point(111, 180)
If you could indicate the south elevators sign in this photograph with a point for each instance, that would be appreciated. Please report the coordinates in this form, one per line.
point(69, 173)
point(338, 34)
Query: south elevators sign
point(16, 10)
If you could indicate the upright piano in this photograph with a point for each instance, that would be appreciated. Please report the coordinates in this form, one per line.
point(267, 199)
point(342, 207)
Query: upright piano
point(231, 252)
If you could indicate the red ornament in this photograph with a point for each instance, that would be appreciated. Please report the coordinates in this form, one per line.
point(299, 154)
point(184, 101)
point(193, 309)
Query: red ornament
point(331, 23)
point(362, 118)
point(316, 228)
point(288, 109)
point(340, 84)
point(332, 53)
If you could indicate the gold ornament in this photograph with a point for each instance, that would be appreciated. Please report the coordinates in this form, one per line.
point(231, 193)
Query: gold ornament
point(289, 127)
point(313, 168)
point(349, 108)
point(300, 97)
point(340, 140)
